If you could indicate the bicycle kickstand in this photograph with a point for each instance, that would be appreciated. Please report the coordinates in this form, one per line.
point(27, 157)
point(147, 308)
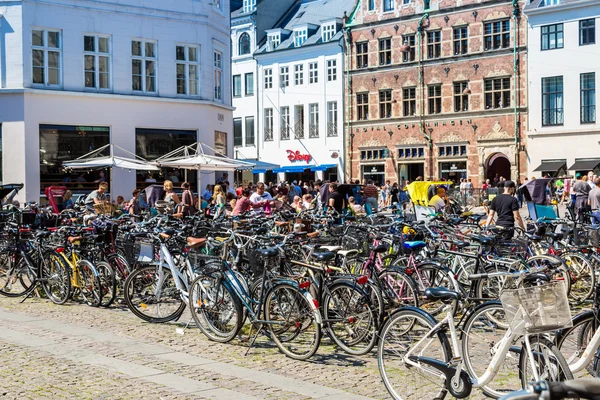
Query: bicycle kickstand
point(258, 330)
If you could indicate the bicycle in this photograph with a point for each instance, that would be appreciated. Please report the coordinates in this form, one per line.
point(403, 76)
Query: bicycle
point(586, 388)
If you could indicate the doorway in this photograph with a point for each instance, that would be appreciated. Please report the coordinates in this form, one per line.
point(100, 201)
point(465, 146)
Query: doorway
point(498, 165)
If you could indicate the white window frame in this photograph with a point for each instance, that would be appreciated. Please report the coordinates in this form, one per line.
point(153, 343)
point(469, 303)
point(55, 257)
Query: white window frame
point(268, 84)
point(248, 6)
point(234, 86)
point(284, 123)
point(300, 36)
point(273, 41)
point(391, 3)
point(248, 86)
point(299, 74)
point(144, 59)
point(332, 117)
point(46, 49)
point(313, 120)
point(328, 31)
point(284, 76)
point(268, 124)
point(313, 72)
point(96, 54)
point(188, 64)
point(217, 75)
point(331, 70)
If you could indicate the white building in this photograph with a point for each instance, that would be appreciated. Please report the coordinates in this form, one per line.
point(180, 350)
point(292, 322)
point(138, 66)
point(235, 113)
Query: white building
point(249, 24)
point(301, 93)
point(563, 71)
point(146, 75)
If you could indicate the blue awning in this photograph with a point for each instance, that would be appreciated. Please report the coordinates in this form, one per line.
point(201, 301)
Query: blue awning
point(323, 167)
point(293, 168)
point(261, 167)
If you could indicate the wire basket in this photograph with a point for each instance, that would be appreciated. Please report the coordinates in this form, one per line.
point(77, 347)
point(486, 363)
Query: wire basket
point(103, 209)
point(537, 309)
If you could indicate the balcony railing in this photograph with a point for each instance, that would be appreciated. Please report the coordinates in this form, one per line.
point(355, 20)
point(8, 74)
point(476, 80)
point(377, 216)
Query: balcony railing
point(588, 114)
point(285, 133)
point(313, 131)
point(332, 129)
point(268, 134)
point(299, 130)
point(552, 116)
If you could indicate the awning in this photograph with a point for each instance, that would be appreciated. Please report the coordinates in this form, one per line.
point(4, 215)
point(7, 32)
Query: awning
point(293, 168)
point(323, 167)
point(551, 165)
point(261, 167)
point(585, 164)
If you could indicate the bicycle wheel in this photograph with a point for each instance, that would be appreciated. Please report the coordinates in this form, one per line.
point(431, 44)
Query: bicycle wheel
point(401, 333)
point(573, 341)
point(482, 332)
point(581, 272)
point(151, 294)
point(292, 322)
point(89, 283)
point(428, 275)
point(491, 287)
point(56, 277)
point(215, 308)
point(398, 288)
point(549, 363)
point(556, 268)
point(108, 283)
point(349, 318)
point(17, 274)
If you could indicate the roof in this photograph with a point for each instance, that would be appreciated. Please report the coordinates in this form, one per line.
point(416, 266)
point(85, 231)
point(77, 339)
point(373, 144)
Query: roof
point(312, 12)
point(537, 4)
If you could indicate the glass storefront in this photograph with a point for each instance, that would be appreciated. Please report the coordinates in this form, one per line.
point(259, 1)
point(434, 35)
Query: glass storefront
point(60, 143)
point(411, 171)
point(374, 172)
point(453, 170)
point(153, 143)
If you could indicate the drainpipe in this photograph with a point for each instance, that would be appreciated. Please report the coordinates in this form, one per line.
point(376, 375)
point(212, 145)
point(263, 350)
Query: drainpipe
point(347, 133)
point(422, 93)
point(343, 167)
point(515, 5)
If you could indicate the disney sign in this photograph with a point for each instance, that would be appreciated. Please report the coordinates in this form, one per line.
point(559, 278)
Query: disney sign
point(296, 156)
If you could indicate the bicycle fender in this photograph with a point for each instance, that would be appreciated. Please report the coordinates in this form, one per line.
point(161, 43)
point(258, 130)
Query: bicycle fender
point(466, 318)
point(313, 305)
point(576, 319)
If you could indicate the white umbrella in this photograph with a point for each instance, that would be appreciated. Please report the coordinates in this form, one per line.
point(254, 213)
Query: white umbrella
point(96, 160)
point(197, 156)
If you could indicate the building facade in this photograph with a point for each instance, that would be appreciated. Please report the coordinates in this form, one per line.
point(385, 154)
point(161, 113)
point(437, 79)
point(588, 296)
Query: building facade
point(437, 90)
point(301, 93)
point(564, 65)
point(148, 76)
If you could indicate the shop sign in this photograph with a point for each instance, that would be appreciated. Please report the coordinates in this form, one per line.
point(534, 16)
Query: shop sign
point(294, 156)
point(435, 124)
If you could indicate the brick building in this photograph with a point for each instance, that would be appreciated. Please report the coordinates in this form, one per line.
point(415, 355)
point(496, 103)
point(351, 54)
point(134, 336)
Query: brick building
point(464, 117)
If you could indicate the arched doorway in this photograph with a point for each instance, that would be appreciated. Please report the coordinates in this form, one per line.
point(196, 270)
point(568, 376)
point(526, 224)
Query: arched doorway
point(497, 164)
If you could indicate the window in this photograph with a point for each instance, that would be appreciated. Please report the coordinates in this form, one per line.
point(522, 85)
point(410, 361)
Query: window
point(497, 93)
point(461, 40)
point(96, 60)
point(244, 44)
point(249, 131)
point(268, 78)
point(249, 84)
point(273, 42)
point(313, 73)
point(284, 76)
point(285, 123)
point(371, 5)
point(461, 100)
point(588, 97)
point(362, 106)
point(362, 55)
point(331, 70)
point(143, 66)
point(385, 103)
point(496, 35)
point(409, 101)
point(410, 54)
point(218, 79)
point(237, 86)
point(385, 51)
point(328, 32)
point(249, 5)
point(587, 32)
point(298, 74)
point(45, 57)
point(237, 132)
point(313, 120)
point(376, 154)
point(188, 67)
point(552, 101)
point(452, 151)
point(552, 37)
point(332, 119)
point(268, 124)
point(411, 152)
point(388, 5)
point(434, 44)
point(434, 97)
point(300, 37)
point(218, 4)
point(550, 2)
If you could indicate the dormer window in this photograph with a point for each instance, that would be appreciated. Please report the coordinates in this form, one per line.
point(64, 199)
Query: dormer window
point(300, 37)
point(249, 6)
point(328, 31)
point(273, 41)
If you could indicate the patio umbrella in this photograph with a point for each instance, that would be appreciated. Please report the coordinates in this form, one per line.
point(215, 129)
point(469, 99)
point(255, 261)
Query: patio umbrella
point(200, 157)
point(98, 160)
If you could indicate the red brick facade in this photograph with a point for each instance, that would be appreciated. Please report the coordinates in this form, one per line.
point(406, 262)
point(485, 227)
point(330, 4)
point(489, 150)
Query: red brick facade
point(481, 139)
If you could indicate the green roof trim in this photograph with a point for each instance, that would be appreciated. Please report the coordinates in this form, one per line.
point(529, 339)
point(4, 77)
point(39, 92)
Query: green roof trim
point(351, 21)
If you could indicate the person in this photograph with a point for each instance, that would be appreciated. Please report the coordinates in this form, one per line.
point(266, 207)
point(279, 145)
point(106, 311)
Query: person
point(438, 202)
point(590, 180)
point(594, 201)
point(81, 178)
point(567, 190)
point(134, 205)
point(261, 198)
point(101, 177)
point(174, 176)
point(207, 194)
point(297, 203)
point(67, 200)
point(97, 196)
point(120, 203)
point(581, 190)
point(229, 189)
point(355, 208)
point(336, 199)
point(387, 193)
point(150, 178)
point(307, 201)
point(170, 195)
point(370, 194)
point(220, 199)
point(394, 193)
point(187, 200)
point(244, 204)
point(506, 207)
point(431, 191)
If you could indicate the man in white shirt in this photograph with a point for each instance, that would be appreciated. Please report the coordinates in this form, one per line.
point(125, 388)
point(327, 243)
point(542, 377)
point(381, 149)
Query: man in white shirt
point(438, 202)
point(260, 197)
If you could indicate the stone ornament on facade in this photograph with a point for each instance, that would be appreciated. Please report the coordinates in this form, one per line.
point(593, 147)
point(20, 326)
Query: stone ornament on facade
point(451, 137)
point(410, 140)
point(495, 134)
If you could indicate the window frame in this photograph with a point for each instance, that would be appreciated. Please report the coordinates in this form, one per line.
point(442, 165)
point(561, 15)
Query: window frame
point(556, 33)
point(460, 100)
point(434, 47)
point(583, 29)
point(313, 120)
point(332, 118)
point(247, 85)
point(503, 92)
point(460, 42)
point(409, 101)
point(242, 36)
point(238, 141)
point(188, 64)
point(410, 55)
point(494, 35)
point(284, 76)
point(588, 93)
point(362, 54)
point(268, 78)
point(268, 132)
point(284, 123)
point(328, 31)
point(249, 140)
point(434, 98)
point(388, 5)
point(234, 86)
point(385, 51)
point(218, 75)
point(385, 103)
point(298, 74)
point(549, 96)
point(96, 54)
point(370, 5)
point(362, 106)
point(144, 59)
point(313, 72)
point(248, 6)
point(331, 70)
point(300, 36)
point(273, 41)
point(45, 48)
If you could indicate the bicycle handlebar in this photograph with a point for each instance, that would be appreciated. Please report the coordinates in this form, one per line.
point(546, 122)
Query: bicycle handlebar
point(585, 388)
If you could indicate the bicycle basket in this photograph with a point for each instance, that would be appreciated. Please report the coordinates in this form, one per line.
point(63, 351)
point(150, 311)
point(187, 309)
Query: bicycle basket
point(537, 309)
point(144, 251)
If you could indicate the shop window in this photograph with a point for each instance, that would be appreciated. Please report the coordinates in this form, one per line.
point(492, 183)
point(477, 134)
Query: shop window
point(452, 151)
point(380, 154)
point(411, 152)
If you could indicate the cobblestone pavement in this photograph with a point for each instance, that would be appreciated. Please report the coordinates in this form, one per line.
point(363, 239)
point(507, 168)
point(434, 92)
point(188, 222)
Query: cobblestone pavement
point(74, 351)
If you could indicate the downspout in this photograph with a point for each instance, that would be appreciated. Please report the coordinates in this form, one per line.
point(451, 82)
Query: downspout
point(422, 93)
point(515, 5)
point(343, 166)
point(347, 133)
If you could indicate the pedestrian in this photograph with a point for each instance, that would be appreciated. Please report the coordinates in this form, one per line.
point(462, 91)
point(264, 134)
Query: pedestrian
point(336, 199)
point(394, 193)
point(97, 196)
point(594, 202)
point(67, 200)
point(150, 178)
point(262, 199)
point(438, 202)
point(187, 200)
point(134, 207)
point(170, 196)
point(581, 190)
point(355, 208)
point(505, 205)
point(370, 193)
point(220, 199)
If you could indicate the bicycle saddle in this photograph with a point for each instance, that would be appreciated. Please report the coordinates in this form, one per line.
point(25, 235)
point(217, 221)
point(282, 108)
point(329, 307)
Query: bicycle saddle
point(417, 244)
point(268, 252)
point(43, 234)
point(323, 256)
point(382, 248)
point(73, 239)
point(554, 235)
point(441, 293)
point(483, 239)
point(195, 242)
point(533, 237)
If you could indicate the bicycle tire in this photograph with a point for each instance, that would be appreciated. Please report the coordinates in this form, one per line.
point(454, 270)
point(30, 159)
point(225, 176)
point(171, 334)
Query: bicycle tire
point(55, 277)
point(398, 288)
point(291, 321)
point(404, 381)
point(582, 276)
point(549, 260)
point(490, 288)
point(139, 290)
point(17, 276)
point(573, 341)
point(559, 370)
point(108, 283)
point(90, 285)
point(433, 275)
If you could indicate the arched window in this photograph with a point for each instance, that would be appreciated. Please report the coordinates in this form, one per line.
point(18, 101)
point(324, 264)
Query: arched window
point(244, 44)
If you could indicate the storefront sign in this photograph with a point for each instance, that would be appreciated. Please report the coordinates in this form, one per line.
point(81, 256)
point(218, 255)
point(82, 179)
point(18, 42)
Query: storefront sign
point(294, 156)
point(415, 125)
